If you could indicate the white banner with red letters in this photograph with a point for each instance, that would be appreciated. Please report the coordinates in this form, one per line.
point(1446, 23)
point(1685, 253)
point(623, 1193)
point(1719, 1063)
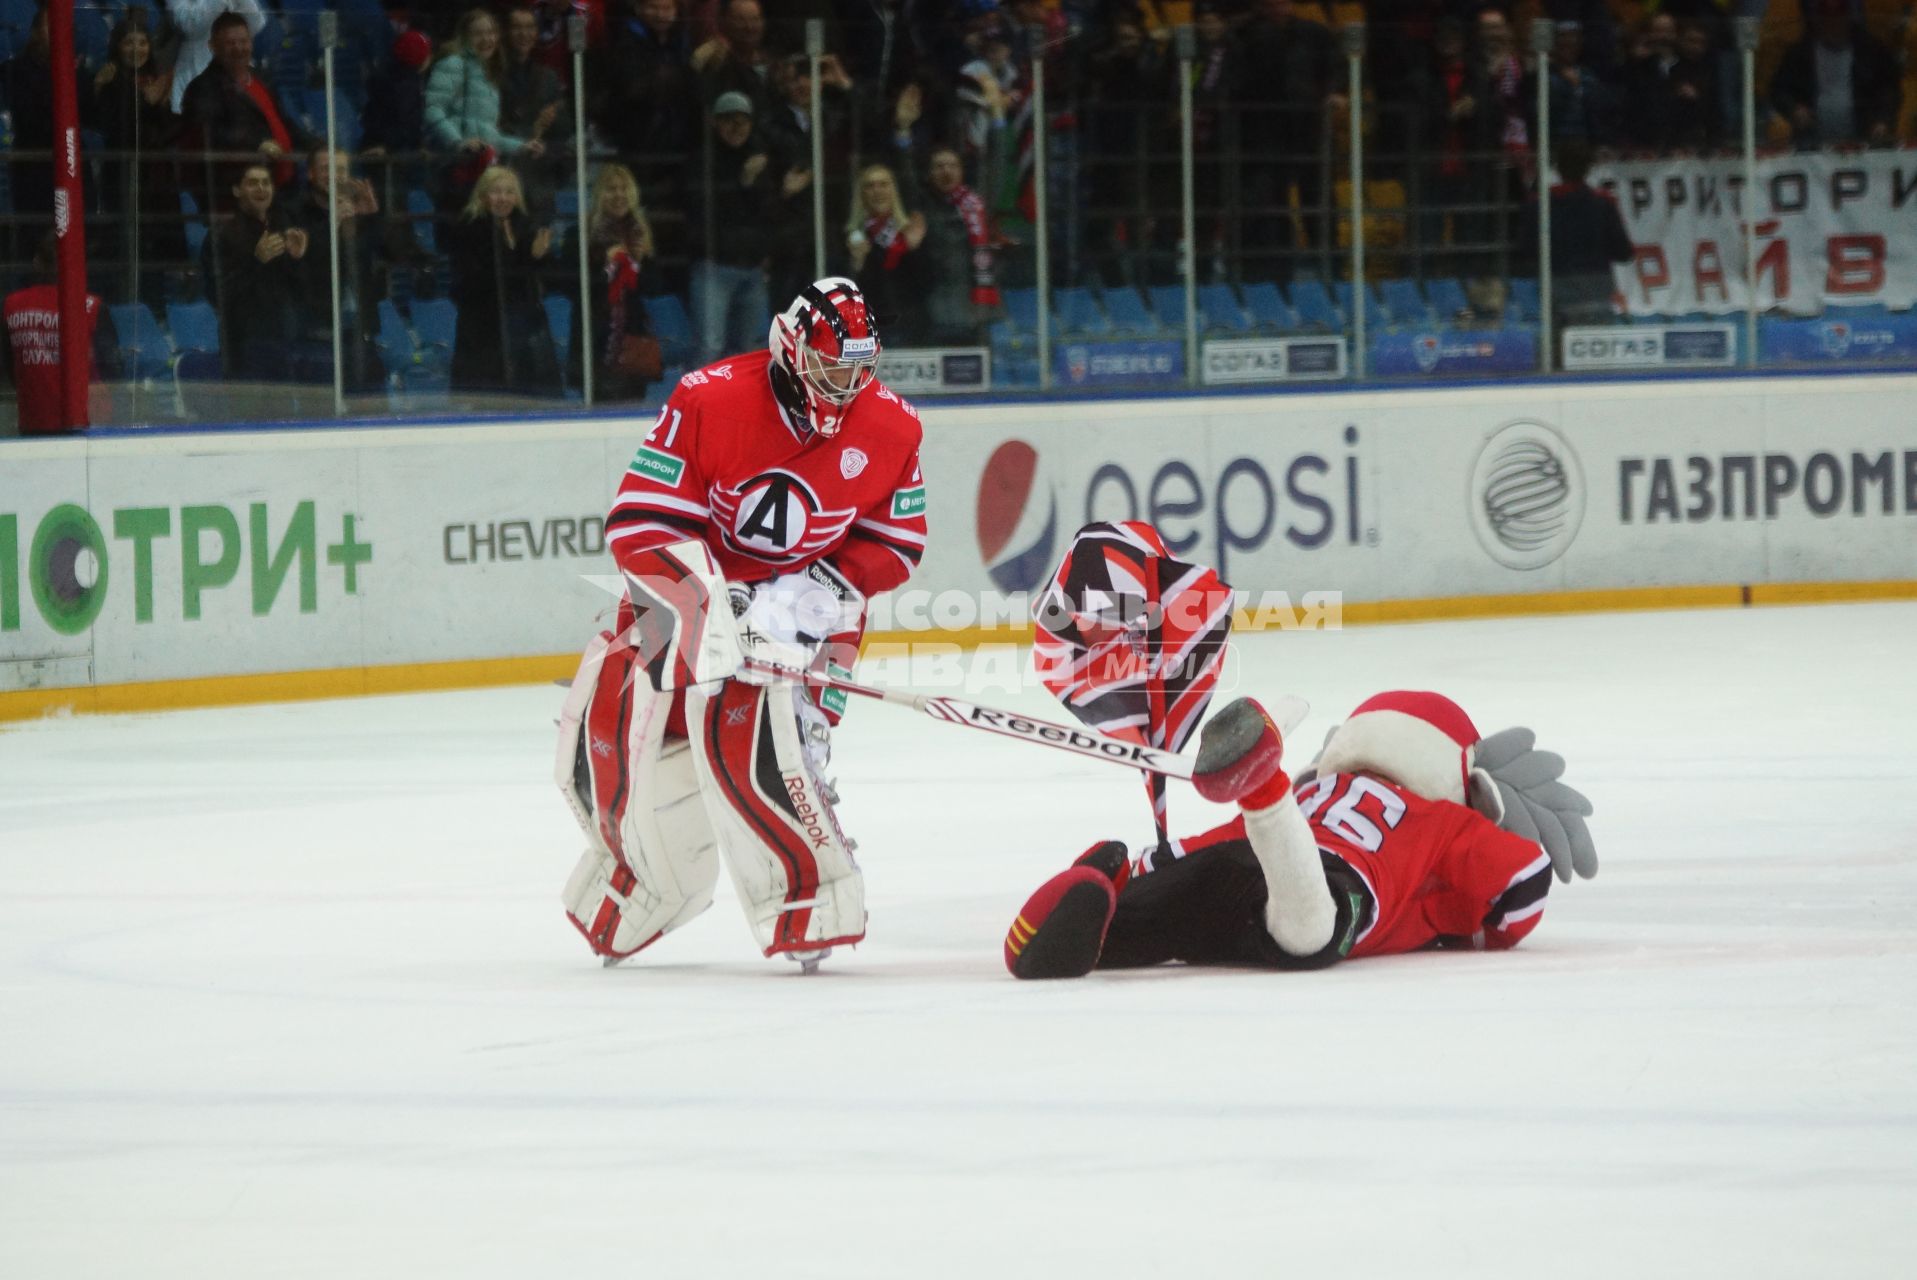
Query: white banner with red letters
point(1831, 229)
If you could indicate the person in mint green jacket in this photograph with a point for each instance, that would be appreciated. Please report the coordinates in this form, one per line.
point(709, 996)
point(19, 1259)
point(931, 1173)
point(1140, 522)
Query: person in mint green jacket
point(462, 107)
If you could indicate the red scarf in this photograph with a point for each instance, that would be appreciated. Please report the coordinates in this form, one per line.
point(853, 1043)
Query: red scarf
point(887, 233)
point(978, 230)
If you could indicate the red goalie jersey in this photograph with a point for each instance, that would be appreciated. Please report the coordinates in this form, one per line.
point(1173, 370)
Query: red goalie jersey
point(727, 465)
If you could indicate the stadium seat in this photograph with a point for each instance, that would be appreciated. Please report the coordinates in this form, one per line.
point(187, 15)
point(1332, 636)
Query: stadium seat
point(1447, 298)
point(1078, 313)
point(1315, 308)
point(397, 350)
point(1219, 309)
point(195, 326)
point(1168, 300)
point(421, 213)
point(1406, 304)
point(1522, 298)
point(673, 327)
point(436, 321)
point(1129, 314)
point(145, 351)
point(559, 321)
point(1021, 308)
point(1377, 317)
point(1268, 310)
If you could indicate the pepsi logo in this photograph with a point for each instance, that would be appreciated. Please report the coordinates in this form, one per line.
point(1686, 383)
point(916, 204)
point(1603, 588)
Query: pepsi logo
point(1017, 525)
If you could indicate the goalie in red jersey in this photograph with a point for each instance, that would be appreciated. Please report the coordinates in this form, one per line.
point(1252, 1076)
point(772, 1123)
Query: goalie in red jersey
point(794, 474)
point(1409, 832)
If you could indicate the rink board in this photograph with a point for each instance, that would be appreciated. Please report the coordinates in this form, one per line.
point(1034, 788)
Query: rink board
point(277, 563)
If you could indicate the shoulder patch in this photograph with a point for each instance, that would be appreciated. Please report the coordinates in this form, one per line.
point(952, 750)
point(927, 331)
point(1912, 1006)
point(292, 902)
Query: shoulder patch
point(908, 502)
point(657, 464)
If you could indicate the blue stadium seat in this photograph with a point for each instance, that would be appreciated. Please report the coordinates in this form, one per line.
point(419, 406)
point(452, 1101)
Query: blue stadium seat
point(394, 341)
point(559, 321)
point(1405, 303)
point(1079, 313)
point(145, 351)
point(1168, 300)
point(1314, 304)
point(1447, 298)
point(436, 321)
point(1268, 310)
point(1129, 314)
point(195, 326)
point(1376, 316)
point(672, 325)
point(1522, 295)
point(421, 213)
point(1220, 312)
point(566, 202)
point(17, 16)
point(1021, 308)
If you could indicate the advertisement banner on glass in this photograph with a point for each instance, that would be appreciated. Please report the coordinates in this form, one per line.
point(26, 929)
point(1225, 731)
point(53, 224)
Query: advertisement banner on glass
point(1129, 364)
point(1467, 352)
point(931, 371)
point(1830, 230)
point(1835, 336)
point(1239, 360)
point(1650, 346)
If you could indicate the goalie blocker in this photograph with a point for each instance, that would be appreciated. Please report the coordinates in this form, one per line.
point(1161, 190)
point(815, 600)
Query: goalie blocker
point(672, 765)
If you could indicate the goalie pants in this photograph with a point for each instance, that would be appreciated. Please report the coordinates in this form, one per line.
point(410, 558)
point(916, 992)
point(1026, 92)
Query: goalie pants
point(1209, 908)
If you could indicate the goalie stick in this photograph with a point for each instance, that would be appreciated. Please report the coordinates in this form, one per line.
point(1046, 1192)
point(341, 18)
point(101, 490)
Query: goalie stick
point(1288, 711)
point(712, 651)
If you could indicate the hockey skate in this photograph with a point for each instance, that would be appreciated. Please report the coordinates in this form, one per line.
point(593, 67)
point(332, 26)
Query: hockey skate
point(1061, 929)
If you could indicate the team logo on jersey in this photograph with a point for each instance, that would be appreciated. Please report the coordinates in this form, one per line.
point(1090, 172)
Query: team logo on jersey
point(851, 462)
point(776, 517)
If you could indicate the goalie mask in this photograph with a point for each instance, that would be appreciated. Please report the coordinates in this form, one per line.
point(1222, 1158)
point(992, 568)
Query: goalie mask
point(1424, 742)
point(825, 351)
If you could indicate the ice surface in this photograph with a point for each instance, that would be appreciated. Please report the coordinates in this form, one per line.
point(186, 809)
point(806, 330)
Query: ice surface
point(286, 991)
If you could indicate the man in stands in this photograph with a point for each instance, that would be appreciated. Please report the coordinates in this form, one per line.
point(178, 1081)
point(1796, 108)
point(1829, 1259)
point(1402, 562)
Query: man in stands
point(229, 109)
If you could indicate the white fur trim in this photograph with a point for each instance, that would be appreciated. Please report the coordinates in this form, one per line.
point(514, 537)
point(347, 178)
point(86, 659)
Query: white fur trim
point(1413, 753)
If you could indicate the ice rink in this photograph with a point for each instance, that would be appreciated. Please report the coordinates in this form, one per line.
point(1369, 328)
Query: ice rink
point(286, 991)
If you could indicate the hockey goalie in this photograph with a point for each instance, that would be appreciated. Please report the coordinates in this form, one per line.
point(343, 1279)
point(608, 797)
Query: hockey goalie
point(794, 474)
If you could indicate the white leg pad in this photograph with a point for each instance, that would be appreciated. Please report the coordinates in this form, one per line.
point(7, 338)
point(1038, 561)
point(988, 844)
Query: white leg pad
point(670, 863)
point(776, 829)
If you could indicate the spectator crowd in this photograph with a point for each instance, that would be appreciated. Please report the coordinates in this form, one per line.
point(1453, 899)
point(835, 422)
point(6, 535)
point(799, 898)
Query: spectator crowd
point(457, 132)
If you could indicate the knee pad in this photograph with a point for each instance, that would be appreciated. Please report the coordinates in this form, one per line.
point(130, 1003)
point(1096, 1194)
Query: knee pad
point(774, 818)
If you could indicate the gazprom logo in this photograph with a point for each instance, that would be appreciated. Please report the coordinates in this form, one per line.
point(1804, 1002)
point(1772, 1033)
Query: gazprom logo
point(1527, 495)
point(1017, 526)
point(859, 349)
